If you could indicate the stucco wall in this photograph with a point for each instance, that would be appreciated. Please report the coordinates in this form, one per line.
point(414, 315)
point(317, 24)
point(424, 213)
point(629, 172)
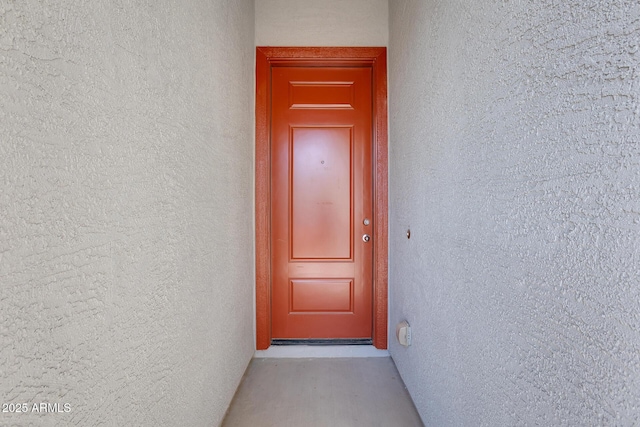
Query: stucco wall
point(126, 260)
point(322, 23)
point(515, 160)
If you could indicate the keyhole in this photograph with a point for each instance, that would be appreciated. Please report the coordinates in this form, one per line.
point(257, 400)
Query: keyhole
point(322, 161)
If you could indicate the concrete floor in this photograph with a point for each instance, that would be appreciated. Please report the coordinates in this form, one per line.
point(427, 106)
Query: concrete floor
point(344, 392)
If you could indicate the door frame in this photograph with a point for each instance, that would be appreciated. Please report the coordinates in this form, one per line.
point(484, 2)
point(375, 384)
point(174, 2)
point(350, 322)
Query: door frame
point(376, 59)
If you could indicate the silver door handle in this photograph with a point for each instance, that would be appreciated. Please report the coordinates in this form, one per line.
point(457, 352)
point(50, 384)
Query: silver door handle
point(366, 238)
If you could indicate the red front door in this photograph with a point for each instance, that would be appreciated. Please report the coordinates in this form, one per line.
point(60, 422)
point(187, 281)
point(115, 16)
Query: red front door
point(321, 206)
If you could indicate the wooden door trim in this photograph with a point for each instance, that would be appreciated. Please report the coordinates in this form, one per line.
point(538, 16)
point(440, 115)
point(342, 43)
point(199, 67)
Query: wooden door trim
point(376, 58)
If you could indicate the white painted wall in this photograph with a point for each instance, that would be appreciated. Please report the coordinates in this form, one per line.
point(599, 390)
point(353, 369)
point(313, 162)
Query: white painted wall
point(515, 160)
point(322, 22)
point(126, 260)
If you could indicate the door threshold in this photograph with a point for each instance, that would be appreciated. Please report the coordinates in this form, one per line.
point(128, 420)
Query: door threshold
point(320, 351)
point(323, 341)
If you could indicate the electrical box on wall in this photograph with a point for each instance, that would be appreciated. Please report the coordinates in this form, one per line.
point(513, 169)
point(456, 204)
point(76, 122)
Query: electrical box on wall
point(403, 333)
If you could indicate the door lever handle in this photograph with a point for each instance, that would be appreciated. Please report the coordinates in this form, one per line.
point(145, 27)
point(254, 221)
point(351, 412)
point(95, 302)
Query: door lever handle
point(366, 238)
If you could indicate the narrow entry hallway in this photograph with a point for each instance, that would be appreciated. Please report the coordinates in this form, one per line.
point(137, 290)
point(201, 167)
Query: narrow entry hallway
point(128, 173)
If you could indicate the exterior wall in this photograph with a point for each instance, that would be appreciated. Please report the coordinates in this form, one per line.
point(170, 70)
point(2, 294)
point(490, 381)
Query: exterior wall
point(126, 236)
point(322, 23)
point(515, 158)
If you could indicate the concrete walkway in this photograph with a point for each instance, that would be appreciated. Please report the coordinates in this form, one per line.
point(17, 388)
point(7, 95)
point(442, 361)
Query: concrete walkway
point(344, 392)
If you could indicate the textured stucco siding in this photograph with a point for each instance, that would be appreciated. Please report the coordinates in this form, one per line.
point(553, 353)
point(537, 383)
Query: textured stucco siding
point(515, 161)
point(126, 248)
point(322, 22)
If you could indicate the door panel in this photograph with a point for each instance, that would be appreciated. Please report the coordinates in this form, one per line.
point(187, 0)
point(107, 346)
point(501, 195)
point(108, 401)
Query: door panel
point(321, 295)
point(321, 197)
point(321, 95)
point(321, 187)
